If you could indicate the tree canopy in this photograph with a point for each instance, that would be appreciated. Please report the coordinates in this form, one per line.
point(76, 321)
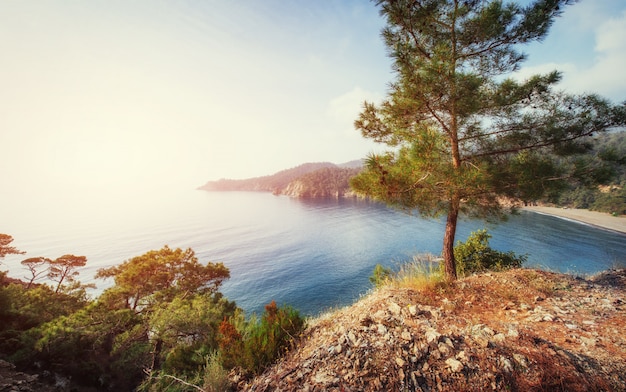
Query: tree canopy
point(5, 249)
point(160, 275)
point(464, 134)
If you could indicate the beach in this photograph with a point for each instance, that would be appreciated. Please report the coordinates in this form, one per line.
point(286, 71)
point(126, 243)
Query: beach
point(594, 218)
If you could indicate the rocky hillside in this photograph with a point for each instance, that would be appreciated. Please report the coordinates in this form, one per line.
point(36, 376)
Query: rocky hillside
point(520, 330)
point(323, 179)
point(327, 182)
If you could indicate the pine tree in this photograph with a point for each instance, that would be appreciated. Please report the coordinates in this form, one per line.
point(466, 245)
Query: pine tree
point(463, 135)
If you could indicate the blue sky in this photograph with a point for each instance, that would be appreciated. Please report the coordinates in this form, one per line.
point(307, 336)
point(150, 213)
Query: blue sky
point(116, 95)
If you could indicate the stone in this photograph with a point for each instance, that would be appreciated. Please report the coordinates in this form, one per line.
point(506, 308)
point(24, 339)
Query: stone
point(521, 360)
point(589, 342)
point(454, 365)
point(406, 335)
point(352, 338)
point(443, 349)
point(394, 308)
point(506, 364)
point(499, 338)
point(432, 336)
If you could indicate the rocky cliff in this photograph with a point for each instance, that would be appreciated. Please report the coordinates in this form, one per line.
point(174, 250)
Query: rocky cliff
point(521, 330)
point(308, 180)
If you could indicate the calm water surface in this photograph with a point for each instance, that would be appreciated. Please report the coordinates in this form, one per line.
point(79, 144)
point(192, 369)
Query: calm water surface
point(312, 254)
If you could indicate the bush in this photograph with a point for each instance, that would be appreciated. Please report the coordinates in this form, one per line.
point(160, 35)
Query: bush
point(260, 342)
point(475, 255)
point(380, 275)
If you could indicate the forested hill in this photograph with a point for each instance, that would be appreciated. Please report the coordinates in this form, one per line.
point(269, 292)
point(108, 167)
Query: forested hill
point(611, 197)
point(320, 179)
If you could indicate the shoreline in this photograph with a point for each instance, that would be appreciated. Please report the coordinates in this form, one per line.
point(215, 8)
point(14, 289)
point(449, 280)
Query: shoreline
point(593, 218)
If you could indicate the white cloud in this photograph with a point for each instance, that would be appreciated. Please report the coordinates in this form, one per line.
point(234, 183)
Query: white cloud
point(602, 72)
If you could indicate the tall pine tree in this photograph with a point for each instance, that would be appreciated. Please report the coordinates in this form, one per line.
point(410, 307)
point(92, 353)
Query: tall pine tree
point(463, 136)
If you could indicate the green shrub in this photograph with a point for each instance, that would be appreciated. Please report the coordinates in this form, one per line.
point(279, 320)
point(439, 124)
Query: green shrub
point(475, 255)
point(380, 275)
point(260, 342)
point(215, 376)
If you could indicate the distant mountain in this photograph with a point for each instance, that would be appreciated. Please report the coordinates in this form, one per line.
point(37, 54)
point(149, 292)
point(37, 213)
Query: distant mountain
point(320, 179)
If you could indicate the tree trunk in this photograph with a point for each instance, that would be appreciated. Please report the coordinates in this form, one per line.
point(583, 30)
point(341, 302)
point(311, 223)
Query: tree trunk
point(156, 355)
point(448, 239)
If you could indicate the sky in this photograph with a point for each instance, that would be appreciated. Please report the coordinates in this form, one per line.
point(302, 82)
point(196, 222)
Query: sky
point(97, 96)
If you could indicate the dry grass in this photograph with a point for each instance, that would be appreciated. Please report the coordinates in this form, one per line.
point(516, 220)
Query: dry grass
point(421, 274)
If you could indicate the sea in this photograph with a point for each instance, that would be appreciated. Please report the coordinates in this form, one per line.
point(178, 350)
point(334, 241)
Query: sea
point(314, 255)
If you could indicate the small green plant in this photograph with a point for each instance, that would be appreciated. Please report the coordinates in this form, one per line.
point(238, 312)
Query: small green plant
point(475, 255)
point(215, 376)
point(380, 275)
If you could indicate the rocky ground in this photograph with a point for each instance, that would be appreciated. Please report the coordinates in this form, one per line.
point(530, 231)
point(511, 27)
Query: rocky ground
point(521, 330)
point(13, 381)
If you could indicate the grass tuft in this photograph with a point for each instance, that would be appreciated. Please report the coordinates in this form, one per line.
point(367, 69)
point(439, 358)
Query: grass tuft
point(422, 273)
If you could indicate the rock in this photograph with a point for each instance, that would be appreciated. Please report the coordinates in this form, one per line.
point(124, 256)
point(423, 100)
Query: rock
point(454, 365)
point(521, 360)
point(394, 309)
point(512, 333)
point(506, 364)
point(400, 362)
point(406, 335)
point(432, 336)
point(352, 338)
point(444, 349)
point(499, 338)
point(589, 342)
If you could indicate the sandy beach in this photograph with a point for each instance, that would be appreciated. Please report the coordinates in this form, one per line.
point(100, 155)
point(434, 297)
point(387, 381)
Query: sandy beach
point(599, 219)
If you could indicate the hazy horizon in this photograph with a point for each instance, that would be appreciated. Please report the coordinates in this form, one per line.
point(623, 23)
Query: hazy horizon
point(112, 98)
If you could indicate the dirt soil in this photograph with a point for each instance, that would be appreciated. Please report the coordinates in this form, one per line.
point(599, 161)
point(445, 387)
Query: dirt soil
point(520, 330)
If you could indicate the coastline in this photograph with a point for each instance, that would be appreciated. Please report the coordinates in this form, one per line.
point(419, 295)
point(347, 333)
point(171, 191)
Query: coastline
point(593, 218)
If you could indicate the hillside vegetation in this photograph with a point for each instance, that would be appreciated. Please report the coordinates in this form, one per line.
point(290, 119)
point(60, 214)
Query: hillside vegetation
point(611, 198)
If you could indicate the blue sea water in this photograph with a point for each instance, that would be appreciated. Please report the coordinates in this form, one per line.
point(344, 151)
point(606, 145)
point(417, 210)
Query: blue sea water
point(311, 254)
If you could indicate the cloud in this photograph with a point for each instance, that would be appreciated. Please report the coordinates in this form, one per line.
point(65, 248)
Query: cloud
point(602, 73)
